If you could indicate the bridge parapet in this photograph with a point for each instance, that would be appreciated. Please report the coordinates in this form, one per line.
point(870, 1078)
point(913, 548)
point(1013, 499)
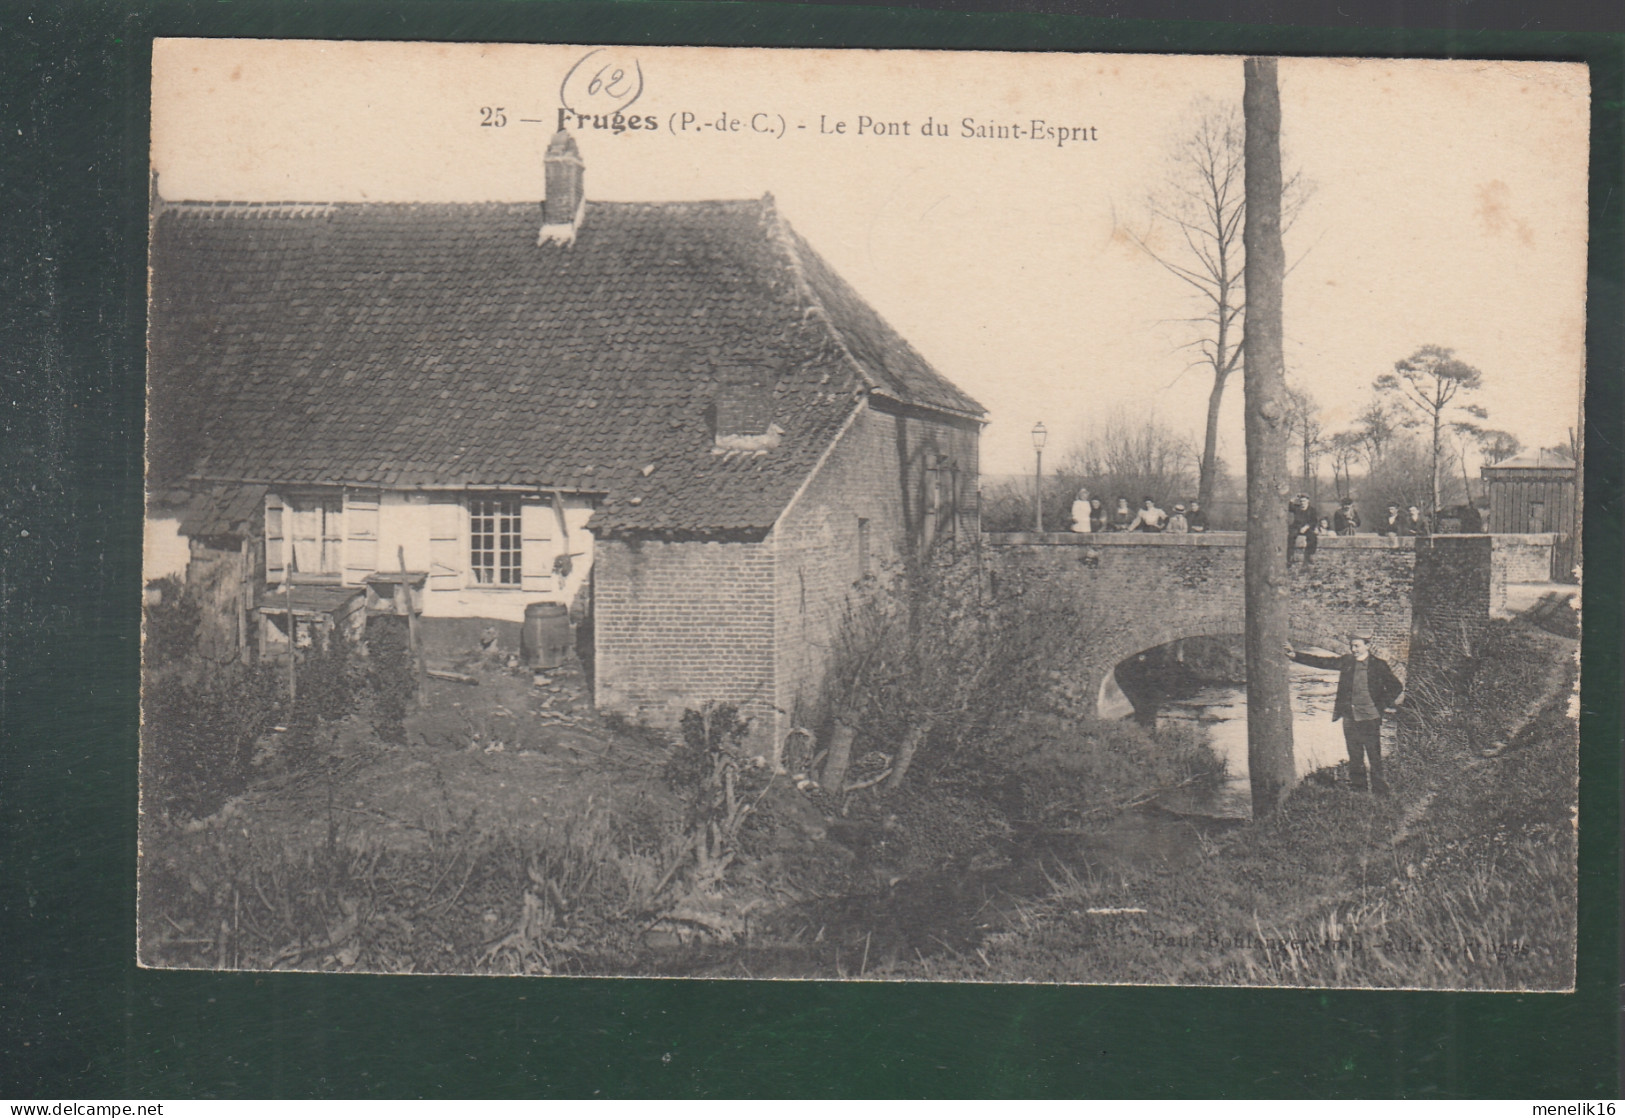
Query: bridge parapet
point(1162, 540)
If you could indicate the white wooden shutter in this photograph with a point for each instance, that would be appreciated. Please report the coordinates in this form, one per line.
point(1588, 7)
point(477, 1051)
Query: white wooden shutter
point(536, 546)
point(448, 556)
point(274, 547)
point(360, 534)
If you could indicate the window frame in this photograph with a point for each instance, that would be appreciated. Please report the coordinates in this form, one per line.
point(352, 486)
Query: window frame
point(496, 521)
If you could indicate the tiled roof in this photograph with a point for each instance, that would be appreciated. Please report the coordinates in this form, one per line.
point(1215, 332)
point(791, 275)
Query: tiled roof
point(441, 346)
point(223, 510)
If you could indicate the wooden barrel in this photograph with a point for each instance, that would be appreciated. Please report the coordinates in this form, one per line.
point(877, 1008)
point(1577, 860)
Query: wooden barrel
point(545, 640)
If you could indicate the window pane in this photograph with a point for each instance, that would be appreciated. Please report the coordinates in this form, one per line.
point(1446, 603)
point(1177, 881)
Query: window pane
point(494, 541)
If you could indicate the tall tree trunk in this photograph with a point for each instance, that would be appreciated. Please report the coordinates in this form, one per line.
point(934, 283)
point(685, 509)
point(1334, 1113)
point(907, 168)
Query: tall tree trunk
point(1210, 441)
point(1434, 511)
point(1269, 695)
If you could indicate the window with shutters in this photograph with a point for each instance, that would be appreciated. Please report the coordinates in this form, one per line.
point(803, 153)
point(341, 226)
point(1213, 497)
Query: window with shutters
point(494, 541)
point(309, 528)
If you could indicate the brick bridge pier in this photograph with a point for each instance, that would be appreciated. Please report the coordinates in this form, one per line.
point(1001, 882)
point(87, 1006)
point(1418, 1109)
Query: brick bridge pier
point(1426, 600)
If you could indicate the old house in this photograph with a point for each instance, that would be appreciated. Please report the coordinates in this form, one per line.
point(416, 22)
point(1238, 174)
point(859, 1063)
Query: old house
point(673, 418)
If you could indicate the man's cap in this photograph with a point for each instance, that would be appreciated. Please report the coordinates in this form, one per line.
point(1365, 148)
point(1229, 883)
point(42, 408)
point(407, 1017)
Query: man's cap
point(1363, 634)
point(1347, 501)
point(1179, 508)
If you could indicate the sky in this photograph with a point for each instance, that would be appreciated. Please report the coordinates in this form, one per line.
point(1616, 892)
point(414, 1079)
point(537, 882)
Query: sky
point(1448, 201)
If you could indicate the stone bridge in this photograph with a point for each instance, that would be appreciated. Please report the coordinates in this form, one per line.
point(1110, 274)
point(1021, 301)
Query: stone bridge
point(1425, 600)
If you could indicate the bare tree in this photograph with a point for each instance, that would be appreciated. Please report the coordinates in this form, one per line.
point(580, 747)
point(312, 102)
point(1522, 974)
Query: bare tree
point(1269, 693)
point(1497, 446)
point(1203, 201)
point(1404, 474)
point(1303, 415)
point(1347, 448)
point(1376, 428)
point(1131, 457)
point(1429, 384)
point(1493, 446)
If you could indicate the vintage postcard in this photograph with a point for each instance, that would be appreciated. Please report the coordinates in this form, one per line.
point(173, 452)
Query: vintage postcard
point(781, 513)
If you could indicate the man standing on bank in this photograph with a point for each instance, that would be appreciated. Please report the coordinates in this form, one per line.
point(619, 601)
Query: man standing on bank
point(1366, 689)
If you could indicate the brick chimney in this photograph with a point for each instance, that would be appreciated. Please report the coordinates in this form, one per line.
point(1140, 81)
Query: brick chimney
point(561, 211)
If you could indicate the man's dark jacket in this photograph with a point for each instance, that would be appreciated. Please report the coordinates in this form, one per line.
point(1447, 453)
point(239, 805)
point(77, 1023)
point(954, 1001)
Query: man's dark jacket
point(1385, 686)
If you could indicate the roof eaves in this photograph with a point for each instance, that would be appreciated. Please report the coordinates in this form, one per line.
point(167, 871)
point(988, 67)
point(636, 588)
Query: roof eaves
point(979, 416)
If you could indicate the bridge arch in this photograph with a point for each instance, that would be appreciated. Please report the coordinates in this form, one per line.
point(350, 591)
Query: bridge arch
point(1125, 645)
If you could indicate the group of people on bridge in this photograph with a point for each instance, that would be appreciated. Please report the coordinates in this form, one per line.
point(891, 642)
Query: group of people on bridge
point(1089, 514)
point(1304, 522)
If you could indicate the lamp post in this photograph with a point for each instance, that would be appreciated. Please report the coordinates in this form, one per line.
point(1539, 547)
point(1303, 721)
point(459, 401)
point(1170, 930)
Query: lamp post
point(1039, 435)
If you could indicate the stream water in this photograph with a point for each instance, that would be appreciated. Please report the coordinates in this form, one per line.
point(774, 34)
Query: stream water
point(1219, 713)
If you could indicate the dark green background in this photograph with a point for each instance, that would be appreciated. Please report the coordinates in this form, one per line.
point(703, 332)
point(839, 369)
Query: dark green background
point(79, 1020)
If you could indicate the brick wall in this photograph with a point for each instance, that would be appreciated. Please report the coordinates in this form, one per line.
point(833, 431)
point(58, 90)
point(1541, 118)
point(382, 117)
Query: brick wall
point(1523, 558)
point(1136, 592)
point(681, 623)
point(892, 471)
point(1453, 599)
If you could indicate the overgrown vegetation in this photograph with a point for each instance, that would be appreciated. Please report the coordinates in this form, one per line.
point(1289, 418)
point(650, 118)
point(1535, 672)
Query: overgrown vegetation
point(934, 672)
point(571, 897)
point(1463, 879)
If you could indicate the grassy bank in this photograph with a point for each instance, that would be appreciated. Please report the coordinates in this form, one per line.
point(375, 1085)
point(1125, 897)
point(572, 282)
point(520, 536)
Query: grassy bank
point(1463, 878)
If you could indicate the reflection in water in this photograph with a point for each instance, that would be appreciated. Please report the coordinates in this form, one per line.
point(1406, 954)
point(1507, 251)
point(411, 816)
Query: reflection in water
point(1220, 714)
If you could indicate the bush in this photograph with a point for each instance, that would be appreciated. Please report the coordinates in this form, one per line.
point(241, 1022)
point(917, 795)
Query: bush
point(170, 625)
point(198, 737)
point(937, 667)
point(722, 786)
point(329, 684)
point(393, 676)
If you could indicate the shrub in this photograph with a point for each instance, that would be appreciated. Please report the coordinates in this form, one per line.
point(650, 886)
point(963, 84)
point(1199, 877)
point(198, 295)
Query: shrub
point(329, 683)
point(937, 667)
point(170, 625)
point(722, 786)
point(198, 736)
point(393, 675)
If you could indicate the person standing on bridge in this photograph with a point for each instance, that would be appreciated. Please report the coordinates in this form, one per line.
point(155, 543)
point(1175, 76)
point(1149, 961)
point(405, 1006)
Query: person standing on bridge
point(1415, 523)
point(1366, 689)
point(1177, 523)
point(1392, 523)
point(1150, 518)
point(1196, 518)
point(1302, 521)
point(1122, 516)
point(1346, 520)
point(1081, 513)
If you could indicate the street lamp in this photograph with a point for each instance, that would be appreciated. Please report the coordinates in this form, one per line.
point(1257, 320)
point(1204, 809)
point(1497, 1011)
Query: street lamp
point(1039, 435)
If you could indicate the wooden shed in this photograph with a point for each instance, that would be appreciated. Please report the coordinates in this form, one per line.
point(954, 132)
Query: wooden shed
point(1538, 491)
